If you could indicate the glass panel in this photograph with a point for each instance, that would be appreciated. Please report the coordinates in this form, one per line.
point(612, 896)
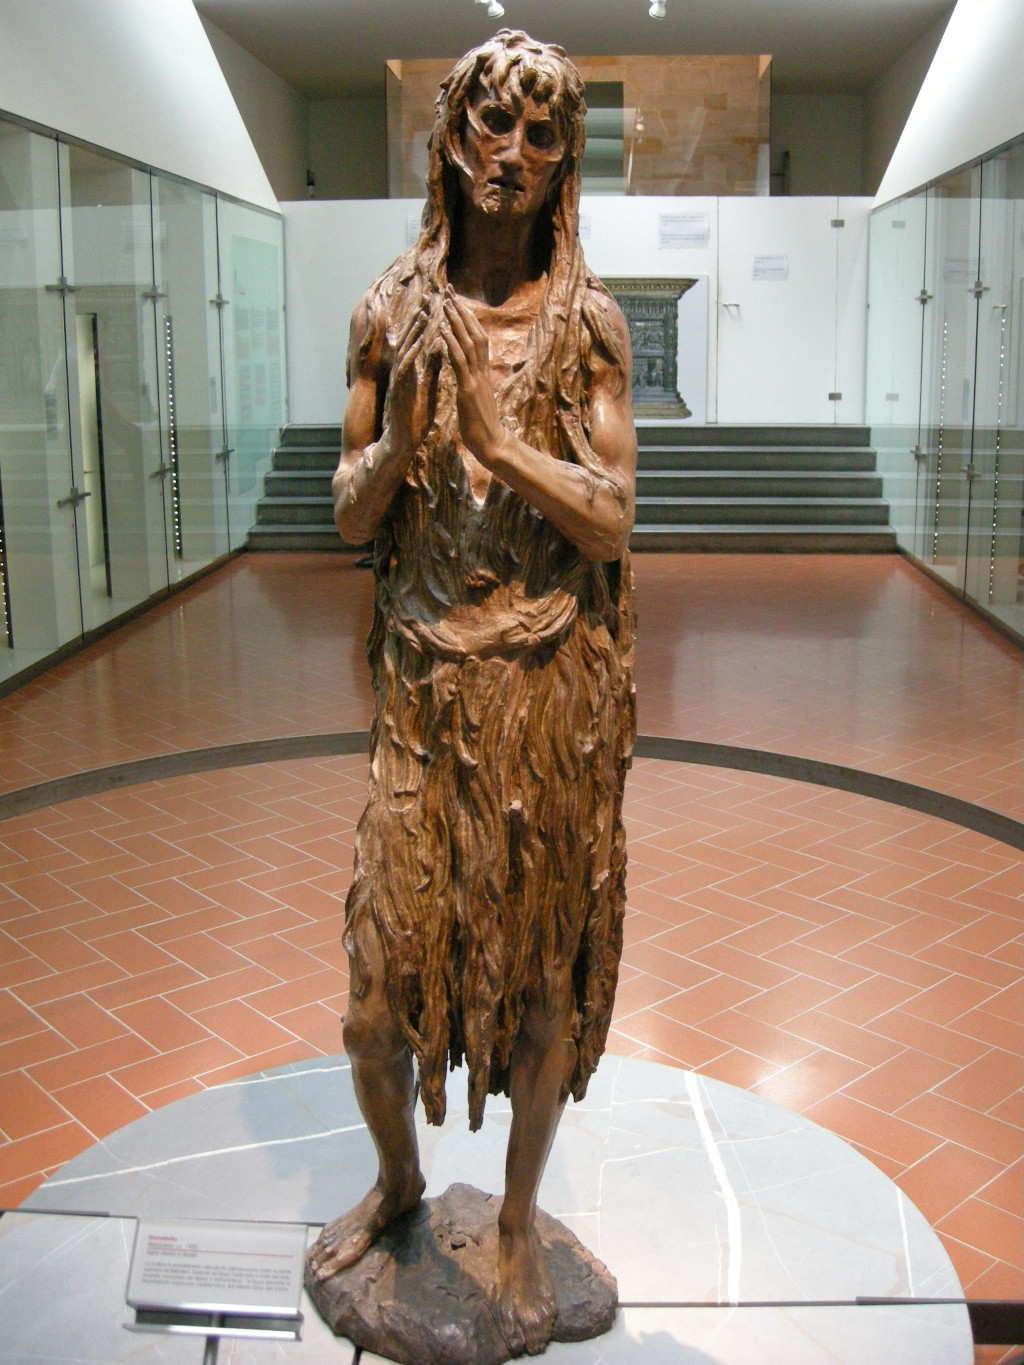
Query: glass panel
point(675, 125)
point(42, 608)
point(948, 379)
point(250, 246)
point(115, 430)
point(896, 268)
point(187, 341)
point(994, 541)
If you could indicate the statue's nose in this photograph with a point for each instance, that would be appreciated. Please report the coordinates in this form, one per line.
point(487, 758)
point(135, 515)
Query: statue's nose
point(511, 153)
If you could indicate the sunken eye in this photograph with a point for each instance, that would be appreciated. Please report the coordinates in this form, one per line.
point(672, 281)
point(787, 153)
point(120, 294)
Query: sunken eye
point(541, 135)
point(496, 119)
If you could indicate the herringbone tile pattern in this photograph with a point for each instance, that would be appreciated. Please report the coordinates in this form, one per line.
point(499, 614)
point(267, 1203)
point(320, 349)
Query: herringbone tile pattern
point(856, 962)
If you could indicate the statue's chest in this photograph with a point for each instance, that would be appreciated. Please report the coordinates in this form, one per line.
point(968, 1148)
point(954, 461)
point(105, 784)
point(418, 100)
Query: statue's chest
point(508, 334)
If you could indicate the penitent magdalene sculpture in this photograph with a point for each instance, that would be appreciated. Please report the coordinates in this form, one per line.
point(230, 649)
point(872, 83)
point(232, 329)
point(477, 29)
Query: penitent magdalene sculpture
point(489, 454)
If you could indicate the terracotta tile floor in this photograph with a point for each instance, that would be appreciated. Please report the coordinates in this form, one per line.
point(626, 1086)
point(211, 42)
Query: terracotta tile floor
point(851, 960)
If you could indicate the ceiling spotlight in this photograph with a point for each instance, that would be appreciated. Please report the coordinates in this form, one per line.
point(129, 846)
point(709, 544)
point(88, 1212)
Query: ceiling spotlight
point(657, 10)
point(494, 9)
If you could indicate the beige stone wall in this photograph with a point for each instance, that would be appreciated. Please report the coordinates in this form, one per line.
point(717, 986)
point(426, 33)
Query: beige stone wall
point(703, 119)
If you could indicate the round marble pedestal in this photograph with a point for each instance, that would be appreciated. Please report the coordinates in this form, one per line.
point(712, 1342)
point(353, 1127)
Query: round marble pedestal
point(738, 1231)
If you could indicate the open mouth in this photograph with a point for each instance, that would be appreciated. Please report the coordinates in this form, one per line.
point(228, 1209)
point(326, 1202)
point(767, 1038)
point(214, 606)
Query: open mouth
point(505, 184)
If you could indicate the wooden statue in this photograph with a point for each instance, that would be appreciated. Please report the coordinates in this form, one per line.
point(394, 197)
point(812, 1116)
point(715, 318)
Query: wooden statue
point(489, 453)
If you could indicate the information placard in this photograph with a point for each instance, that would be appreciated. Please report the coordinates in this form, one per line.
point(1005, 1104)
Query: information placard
point(773, 269)
point(217, 1267)
point(681, 231)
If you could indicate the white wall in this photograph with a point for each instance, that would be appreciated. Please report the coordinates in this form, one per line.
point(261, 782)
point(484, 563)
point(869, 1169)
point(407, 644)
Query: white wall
point(791, 342)
point(972, 99)
point(132, 76)
point(823, 133)
point(332, 251)
point(275, 115)
point(888, 102)
point(348, 150)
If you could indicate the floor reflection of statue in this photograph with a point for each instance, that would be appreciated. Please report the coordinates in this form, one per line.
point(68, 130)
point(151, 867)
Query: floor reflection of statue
point(489, 452)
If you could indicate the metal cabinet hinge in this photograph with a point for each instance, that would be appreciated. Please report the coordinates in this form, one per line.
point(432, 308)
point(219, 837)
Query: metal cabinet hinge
point(73, 498)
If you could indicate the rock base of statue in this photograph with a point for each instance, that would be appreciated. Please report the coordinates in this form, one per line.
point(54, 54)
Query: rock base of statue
point(425, 1293)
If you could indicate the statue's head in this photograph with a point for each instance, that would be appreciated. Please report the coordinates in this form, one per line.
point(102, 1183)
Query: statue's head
point(510, 88)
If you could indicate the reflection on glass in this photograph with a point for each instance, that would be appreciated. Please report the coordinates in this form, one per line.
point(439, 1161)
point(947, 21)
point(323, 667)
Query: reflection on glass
point(252, 320)
point(40, 571)
point(125, 377)
point(108, 257)
point(949, 402)
point(187, 340)
point(994, 523)
point(965, 240)
point(895, 320)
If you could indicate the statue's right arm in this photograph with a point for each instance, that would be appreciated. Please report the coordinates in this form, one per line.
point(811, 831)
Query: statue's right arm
point(375, 453)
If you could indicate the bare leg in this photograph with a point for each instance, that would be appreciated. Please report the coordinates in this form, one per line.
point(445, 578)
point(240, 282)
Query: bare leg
point(382, 1075)
point(541, 1060)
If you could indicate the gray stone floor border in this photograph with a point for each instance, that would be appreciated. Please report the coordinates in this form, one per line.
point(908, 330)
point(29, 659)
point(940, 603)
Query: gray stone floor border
point(967, 814)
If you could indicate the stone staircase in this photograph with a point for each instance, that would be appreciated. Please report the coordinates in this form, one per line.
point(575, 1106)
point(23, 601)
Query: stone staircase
point(296, 510)
point(709, 488)
point(764, 488)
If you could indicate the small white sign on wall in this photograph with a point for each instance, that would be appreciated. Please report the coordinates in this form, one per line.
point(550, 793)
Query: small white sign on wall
point(584, 227)
point(412, 229)
point(771, 269)
point(683, 231)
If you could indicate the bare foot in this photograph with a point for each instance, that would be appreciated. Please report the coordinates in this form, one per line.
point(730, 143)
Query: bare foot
point(350, 1237)
point(526, 1297)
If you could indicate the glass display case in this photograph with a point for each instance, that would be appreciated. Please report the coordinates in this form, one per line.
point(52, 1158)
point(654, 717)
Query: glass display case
point(945, 378)
point(142, 384)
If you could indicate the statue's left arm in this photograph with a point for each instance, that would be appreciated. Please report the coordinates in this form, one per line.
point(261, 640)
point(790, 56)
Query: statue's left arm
point(592, 507)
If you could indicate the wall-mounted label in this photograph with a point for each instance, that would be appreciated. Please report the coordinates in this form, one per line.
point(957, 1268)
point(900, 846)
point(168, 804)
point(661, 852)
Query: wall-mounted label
point(584, 227)
point(771, 268)
point(683, 231)
point(412, 229)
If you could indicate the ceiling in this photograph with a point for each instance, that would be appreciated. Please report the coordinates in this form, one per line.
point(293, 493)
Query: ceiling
point(329, 48)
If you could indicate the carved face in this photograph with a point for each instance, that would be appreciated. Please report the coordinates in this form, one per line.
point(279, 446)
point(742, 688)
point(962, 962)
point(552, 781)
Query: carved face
point(512, 151)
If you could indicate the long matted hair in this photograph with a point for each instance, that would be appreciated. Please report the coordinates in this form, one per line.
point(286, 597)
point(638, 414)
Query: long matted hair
point(547, 397)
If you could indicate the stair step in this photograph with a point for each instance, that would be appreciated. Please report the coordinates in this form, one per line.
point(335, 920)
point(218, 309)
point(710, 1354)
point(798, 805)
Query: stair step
point(295, 511)
point(842, 459)
point(321, 458)
point(782, 511)
point(289, 536)
point(297, 483)
point(736, 488)
point(730, 483)
point(311, 436)
point(764, 539)
point(684, 434)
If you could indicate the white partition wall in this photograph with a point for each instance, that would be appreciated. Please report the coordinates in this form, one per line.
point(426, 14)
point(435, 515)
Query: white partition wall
point(775, 358)
point(791, 301)
point(333, 249)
